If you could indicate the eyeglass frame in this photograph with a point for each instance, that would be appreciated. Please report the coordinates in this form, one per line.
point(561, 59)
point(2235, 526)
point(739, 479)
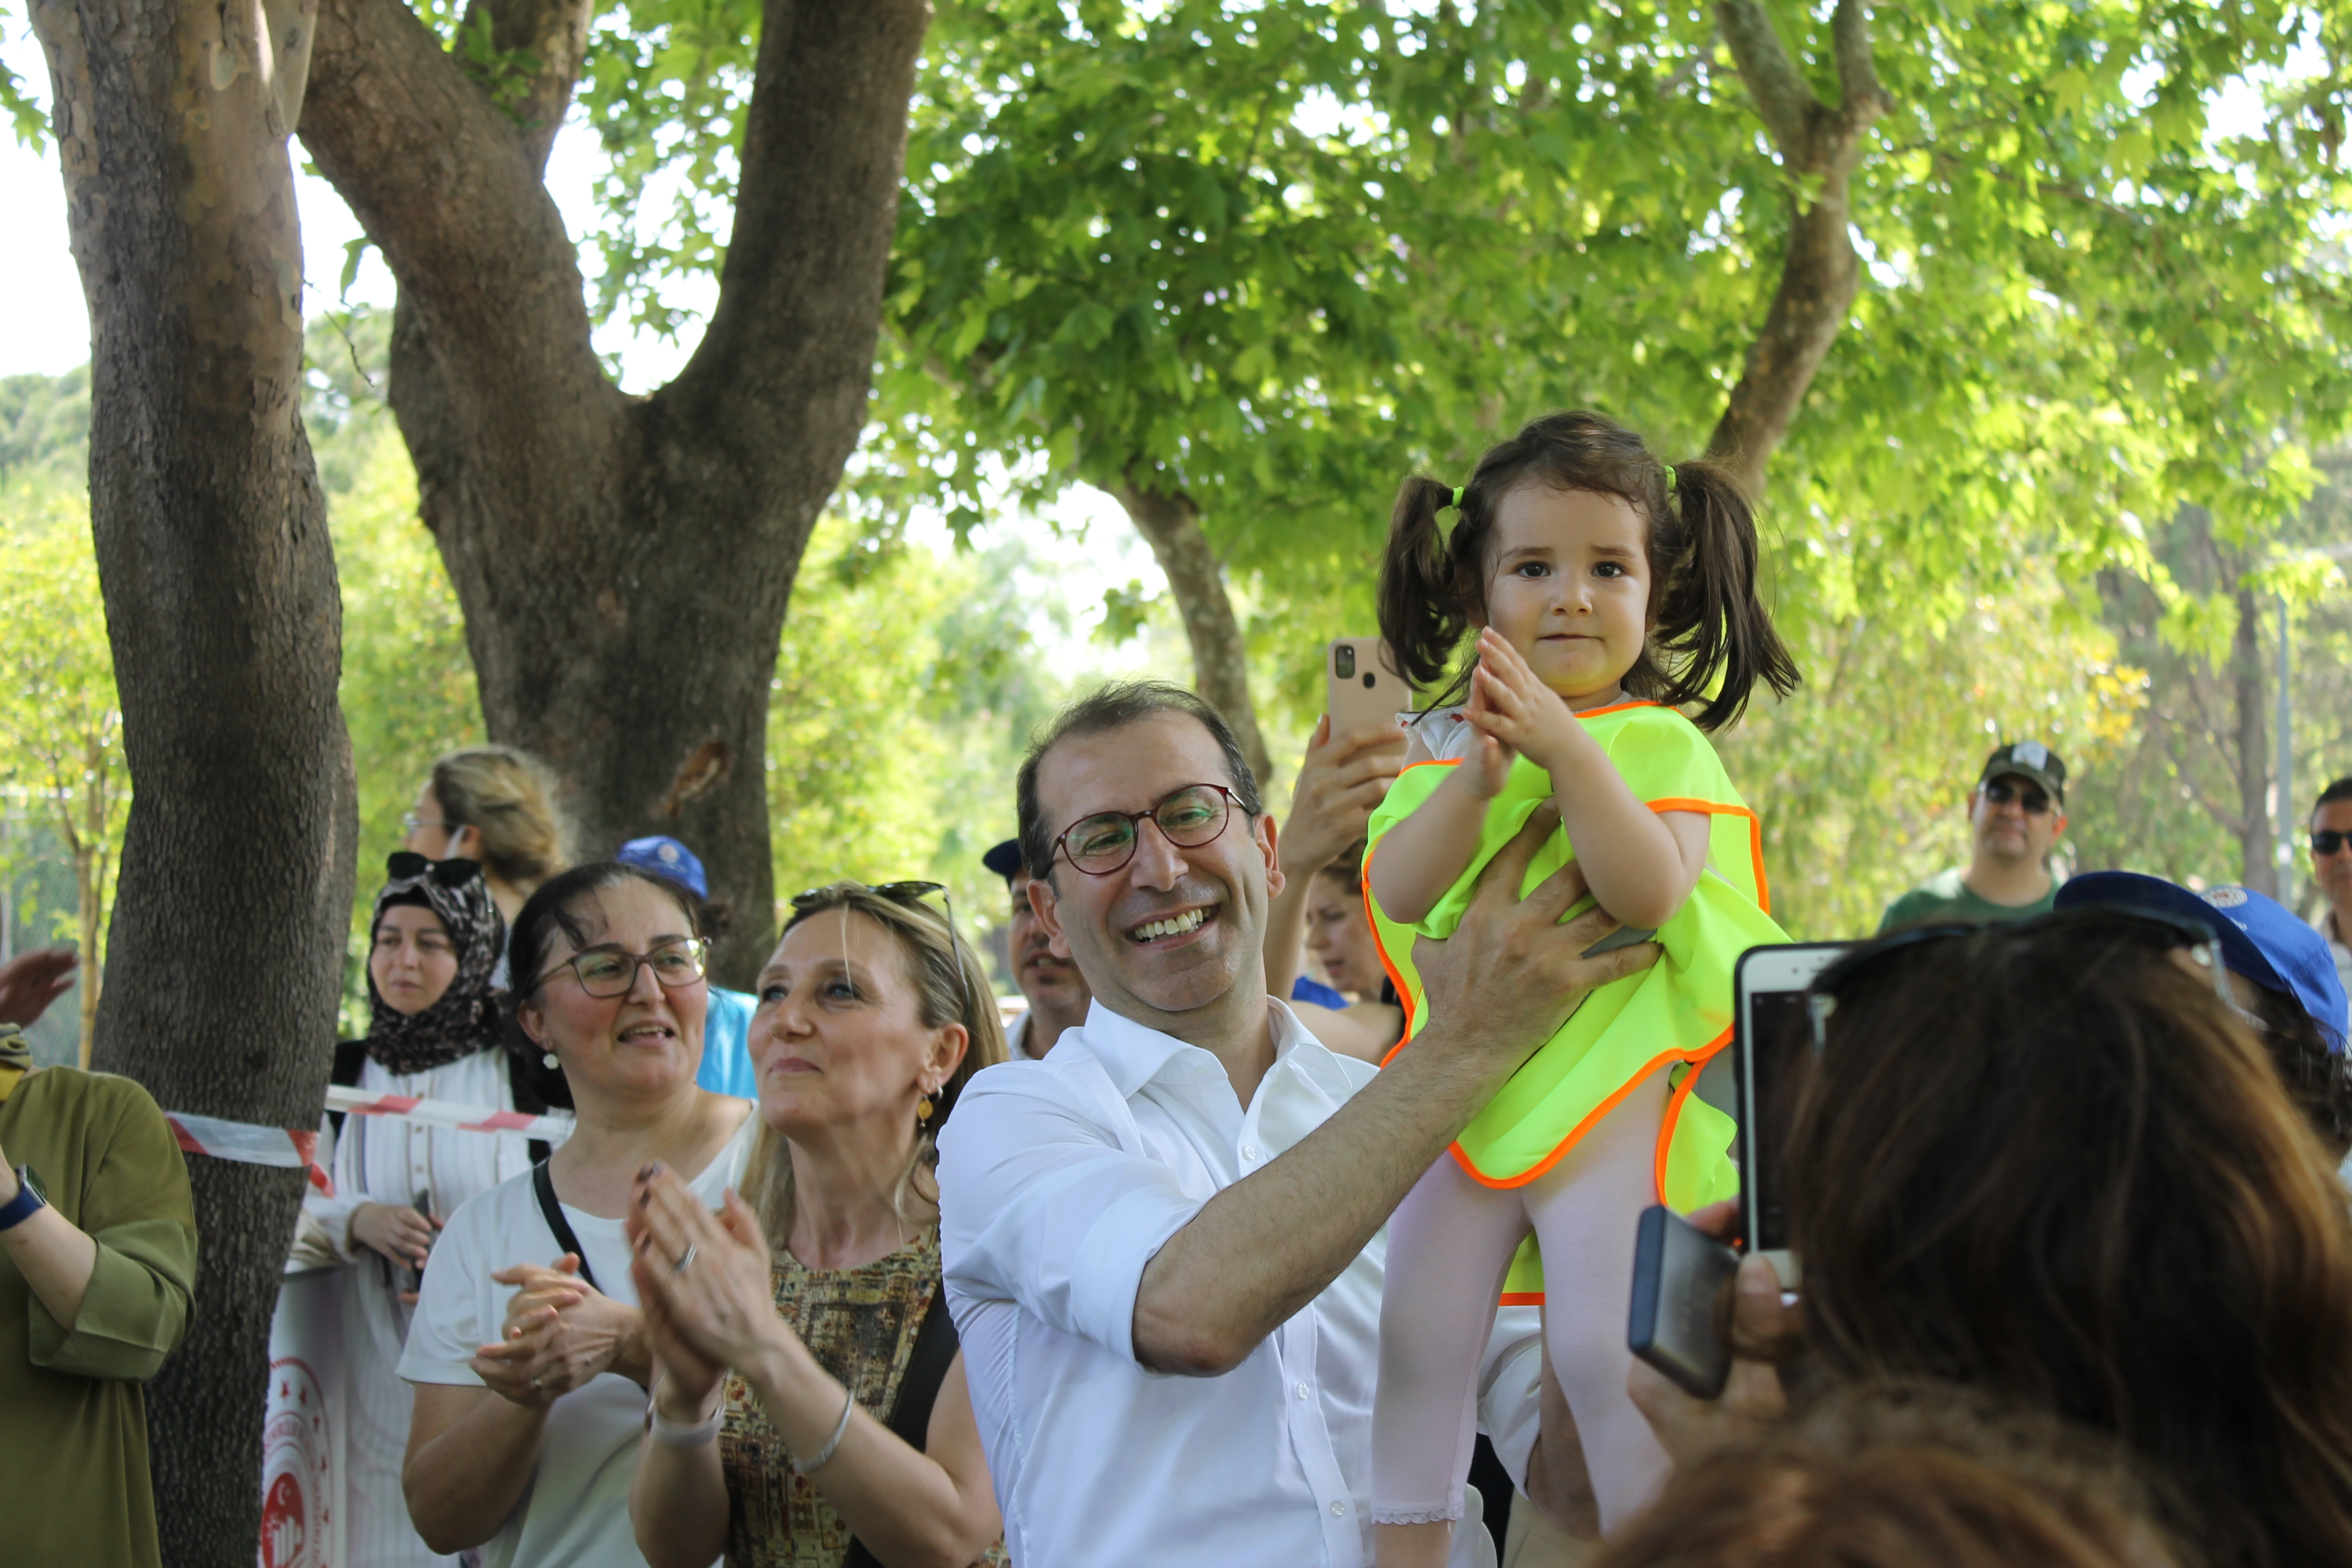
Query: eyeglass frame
point(907, 892)
point(1820, 995)
point(1135, 819)
point(697, 945)
point(410, 821)
point(2007, 783)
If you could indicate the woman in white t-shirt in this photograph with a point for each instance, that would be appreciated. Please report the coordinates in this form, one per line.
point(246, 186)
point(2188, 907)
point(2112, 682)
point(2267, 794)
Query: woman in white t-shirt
point(528, 1353)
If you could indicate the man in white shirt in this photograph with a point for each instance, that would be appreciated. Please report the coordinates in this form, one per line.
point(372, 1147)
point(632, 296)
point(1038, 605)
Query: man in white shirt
point(1162, 1244)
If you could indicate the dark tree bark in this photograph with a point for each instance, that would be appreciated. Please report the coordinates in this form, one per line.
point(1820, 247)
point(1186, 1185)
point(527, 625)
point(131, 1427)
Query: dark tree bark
point(1171, 524)
point(2258, 868)
point(1819, 144)
point(225, 966)
point(624, 562)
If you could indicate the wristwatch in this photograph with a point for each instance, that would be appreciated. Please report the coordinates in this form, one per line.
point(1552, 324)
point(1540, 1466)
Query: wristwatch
point(20, 1209)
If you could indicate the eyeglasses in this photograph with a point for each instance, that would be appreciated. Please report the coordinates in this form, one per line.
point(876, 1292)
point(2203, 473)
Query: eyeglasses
point(809, 899)
point(404, 865)
point(2328, 840)
point(1188, 817)
point(2152, 929)
point(410, 821)
point(607, 971)
point(2000, 791)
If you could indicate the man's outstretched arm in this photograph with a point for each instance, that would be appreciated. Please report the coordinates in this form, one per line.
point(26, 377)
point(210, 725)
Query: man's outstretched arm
point(1265, 1247)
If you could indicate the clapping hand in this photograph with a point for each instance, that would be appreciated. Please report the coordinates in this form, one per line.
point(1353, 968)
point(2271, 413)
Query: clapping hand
point(31, 980)
point(1512, 708)
point(561, 1334)
point(705, 1281)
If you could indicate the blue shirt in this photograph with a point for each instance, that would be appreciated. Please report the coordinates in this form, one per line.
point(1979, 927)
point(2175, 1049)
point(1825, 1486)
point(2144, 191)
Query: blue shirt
point(1314, 990)
point(726, 1046)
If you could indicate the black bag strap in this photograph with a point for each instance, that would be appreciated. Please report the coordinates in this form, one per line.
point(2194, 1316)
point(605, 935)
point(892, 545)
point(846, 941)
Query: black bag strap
point(919, 1390)
point(543, 1185)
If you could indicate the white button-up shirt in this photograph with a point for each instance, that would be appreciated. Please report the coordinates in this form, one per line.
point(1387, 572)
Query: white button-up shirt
point(1059, 1180)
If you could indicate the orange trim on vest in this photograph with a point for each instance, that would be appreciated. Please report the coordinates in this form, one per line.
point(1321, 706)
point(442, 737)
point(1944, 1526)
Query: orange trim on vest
point(1388, 964)
point(1614, 708)
point(1755, 836)
point(1522, 1298)
point(1664, 1059)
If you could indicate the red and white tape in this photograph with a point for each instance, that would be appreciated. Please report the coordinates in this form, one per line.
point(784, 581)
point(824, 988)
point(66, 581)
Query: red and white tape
point(298, 1148)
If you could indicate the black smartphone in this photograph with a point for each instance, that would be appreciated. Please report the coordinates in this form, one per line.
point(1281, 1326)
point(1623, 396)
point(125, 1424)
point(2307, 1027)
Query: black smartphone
point(1682, 1283)
point(1769, 1025)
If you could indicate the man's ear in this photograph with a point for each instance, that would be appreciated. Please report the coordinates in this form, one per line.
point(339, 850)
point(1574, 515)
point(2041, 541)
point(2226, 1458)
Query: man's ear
point(1045, 904)
point(1263, 830)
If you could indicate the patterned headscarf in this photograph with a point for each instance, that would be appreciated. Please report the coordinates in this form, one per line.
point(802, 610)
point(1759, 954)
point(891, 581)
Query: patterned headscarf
point(466, 1017)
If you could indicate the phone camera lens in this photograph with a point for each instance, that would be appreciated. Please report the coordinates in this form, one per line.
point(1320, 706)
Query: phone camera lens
point(1368, 680)
point(1344, 660)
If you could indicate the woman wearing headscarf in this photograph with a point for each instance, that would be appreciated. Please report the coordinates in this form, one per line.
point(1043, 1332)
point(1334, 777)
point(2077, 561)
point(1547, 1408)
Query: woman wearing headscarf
point(434, 1033)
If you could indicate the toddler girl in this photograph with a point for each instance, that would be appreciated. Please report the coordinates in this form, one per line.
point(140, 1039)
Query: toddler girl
point(1605, 593)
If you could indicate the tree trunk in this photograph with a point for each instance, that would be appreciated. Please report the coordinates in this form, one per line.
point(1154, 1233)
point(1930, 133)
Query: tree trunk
point(1818, 144)
point(225, 958)
point(2257, 867)
point(1171, 524)
point(624, 562)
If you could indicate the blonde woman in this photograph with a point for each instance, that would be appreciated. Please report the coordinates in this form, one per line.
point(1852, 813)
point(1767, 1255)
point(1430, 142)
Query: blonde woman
point(496, 805)
point(809, 1403)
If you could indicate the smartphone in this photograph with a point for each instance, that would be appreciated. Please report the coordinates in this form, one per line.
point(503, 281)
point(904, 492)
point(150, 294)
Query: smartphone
point(1682, 1287)
point(1361, 688)
point(1769, 1029)
point(412, 1279)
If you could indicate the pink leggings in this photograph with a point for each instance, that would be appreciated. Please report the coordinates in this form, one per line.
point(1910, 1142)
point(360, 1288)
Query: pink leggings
point(1450, 1244)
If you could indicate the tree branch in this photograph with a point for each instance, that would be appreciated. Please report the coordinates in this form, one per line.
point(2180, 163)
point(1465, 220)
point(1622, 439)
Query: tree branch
point(1865, 100)
point(1782, 101)
point(554, 34)
point(824, 144)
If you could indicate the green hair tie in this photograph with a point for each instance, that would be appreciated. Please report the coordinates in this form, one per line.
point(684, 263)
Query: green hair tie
point(1448, 517)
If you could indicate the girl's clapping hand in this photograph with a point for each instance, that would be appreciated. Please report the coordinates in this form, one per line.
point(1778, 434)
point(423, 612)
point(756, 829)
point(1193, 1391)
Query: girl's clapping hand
point(1509, 703)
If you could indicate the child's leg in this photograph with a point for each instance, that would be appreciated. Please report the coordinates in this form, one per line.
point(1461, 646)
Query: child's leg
point(1449, 1244)
point(1585, 1210)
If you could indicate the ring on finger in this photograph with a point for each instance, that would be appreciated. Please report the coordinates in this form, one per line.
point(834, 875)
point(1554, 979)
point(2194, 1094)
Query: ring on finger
point(684, 1263)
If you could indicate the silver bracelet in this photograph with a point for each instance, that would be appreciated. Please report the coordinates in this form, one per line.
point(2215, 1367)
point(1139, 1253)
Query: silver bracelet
point(672, 1433)
point(816, 1461)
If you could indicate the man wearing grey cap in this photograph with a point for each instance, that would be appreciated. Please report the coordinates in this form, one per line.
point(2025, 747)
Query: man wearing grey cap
point(2016, 813)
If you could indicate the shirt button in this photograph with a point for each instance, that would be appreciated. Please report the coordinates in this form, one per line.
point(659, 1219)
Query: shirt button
point(1302, 1391)
point(1249, 1151)
point(1338, 1508)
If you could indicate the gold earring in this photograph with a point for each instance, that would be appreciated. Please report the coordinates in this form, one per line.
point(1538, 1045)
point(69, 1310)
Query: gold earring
point(923, 1110)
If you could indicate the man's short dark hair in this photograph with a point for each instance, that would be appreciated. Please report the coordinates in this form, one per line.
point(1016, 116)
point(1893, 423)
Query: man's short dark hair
point(2340, 790)
point(1115, 707)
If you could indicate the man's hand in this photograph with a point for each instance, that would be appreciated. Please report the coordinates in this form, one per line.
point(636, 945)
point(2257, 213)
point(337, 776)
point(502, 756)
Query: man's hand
point(1511, 973)
point(31, 980)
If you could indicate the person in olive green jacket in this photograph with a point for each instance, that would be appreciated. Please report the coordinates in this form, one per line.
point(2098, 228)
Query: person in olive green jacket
point(98, 1269)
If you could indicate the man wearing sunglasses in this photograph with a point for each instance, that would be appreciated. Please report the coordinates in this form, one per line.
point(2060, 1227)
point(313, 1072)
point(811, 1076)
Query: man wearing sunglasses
point(2331, 868)
point(2016, 814)
point(1162, 1243)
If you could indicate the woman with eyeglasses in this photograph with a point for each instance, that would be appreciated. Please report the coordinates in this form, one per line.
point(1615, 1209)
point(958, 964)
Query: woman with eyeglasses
point(809, 1406)
point(2049, 1160)
point(528, 1353)
point(433, 1033)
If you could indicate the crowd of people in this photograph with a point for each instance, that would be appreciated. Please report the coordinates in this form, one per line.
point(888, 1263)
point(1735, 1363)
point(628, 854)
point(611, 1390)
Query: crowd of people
point(841, 1271)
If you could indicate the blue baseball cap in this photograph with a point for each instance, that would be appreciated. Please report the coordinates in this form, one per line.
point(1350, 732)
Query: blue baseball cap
point(1004, 859)
point(667, 857)
point(2260, 939)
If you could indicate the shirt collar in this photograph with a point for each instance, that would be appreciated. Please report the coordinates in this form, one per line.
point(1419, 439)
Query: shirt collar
point(1134, 1054)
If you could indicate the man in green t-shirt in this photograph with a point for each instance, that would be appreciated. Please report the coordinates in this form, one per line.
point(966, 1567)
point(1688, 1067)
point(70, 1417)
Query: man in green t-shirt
point(2015, 815)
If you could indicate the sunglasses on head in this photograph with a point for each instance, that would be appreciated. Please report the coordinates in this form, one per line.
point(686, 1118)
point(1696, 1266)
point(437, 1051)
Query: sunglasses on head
point(2000, 791)
point(2328, 840)
point(407, 864)
point(2153, 929)
point(809, 899)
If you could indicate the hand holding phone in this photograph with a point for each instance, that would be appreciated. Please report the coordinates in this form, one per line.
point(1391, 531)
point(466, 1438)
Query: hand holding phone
point(1682, 1302)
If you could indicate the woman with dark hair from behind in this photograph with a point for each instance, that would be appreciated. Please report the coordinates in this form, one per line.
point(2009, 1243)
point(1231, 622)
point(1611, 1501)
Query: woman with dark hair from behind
point(811, 1408)
point(2048, 1160)
point(1900, 1477)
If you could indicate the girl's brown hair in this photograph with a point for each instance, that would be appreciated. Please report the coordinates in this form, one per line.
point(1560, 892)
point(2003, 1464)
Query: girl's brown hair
point(507, 798)
point(1897, 1477)
point(930, 950)
point(1708, 632)
point(2046, 1160)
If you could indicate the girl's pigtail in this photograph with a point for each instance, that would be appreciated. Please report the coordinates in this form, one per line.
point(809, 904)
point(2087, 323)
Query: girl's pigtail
point(1421, 598)
point(1716, 632)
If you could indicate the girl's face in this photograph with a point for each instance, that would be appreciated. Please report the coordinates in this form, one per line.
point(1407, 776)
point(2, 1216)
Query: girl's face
point(644, 1042)
point(1339, 939)
point(838, 1042)
point(414, 960)
point(1568, 586)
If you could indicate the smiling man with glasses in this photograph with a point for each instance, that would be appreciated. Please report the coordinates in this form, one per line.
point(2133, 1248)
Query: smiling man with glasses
point(2016, 814)
point(1162, 1243)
